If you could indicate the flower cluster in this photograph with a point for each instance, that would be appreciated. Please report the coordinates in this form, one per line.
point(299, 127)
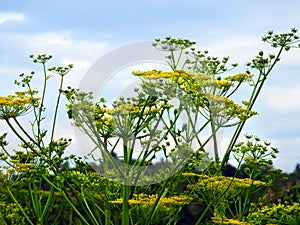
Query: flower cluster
point(216, 84)
point(5, 171)
point(138, 109)
point(202, 62)
point(240, 77)
point(21, 161)
point(90, 180)
point(206, 92)
point(225, 185)
point(226, 109)
point(149, 200)
point(17, 104)
point(281, 213)
point(255, 152)
point(224, 220)
point(158, 74)
point(42, 58)
point(61, 70)
point(172, 44)
point(10, 213)
point(285, 40)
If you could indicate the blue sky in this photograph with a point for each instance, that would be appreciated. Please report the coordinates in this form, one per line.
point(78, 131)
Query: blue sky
point(80, 32)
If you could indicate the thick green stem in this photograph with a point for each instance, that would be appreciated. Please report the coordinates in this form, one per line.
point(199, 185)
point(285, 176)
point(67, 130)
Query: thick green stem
point(125, 205)
point(107, 216)
point(214, 135)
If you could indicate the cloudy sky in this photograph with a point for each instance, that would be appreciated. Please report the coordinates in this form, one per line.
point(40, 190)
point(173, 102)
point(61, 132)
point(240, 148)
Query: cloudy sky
point(81, 32)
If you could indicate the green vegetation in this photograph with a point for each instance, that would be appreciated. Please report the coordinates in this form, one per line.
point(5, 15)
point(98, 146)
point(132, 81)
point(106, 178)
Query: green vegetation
point(38, 186)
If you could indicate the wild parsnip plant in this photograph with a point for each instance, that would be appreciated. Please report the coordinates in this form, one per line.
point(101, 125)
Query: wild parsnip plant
point(150, 154)
point(39, 155)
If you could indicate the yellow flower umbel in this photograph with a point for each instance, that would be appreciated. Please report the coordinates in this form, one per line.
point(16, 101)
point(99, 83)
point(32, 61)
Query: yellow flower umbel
point(225, 185)
point(158, 74)
point(207, 92)
point(224, 220)
point(227, 108)
point(281, 213)
point(241, 77)
point(149, 200)
point(166, 209)
point(17, 104)
point(220, 190)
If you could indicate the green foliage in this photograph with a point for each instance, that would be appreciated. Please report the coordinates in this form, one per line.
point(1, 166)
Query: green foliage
point(281, 213)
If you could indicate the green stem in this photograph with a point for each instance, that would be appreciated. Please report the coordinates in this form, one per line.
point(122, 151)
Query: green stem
point(203, 214)
point(125, 205)
point(42, 103)
point(98, 142)
point(56, 108)
point(27, 135)
point(253, 99)
point(88, 207)
point(35, 109)
point(48, 204)
point(179, 57)
point(19, 136)
point(2, 221)
point(214, 135)
point(154, 208)
point(19, 206)
point(34, 201)
point(173, 64)
point(73, 207)
point(107, 216)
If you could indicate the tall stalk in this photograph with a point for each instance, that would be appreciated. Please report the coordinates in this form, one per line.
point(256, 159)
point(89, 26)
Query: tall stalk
point(254, 95)
point(56, 108)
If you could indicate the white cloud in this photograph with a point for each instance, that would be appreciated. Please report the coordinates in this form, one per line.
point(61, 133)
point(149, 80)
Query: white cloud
point(79, 64)
point(62, 44)
point(64, 48)
point(282, 98)
point(8, 17)
point(233, 43)
point(77, 72)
